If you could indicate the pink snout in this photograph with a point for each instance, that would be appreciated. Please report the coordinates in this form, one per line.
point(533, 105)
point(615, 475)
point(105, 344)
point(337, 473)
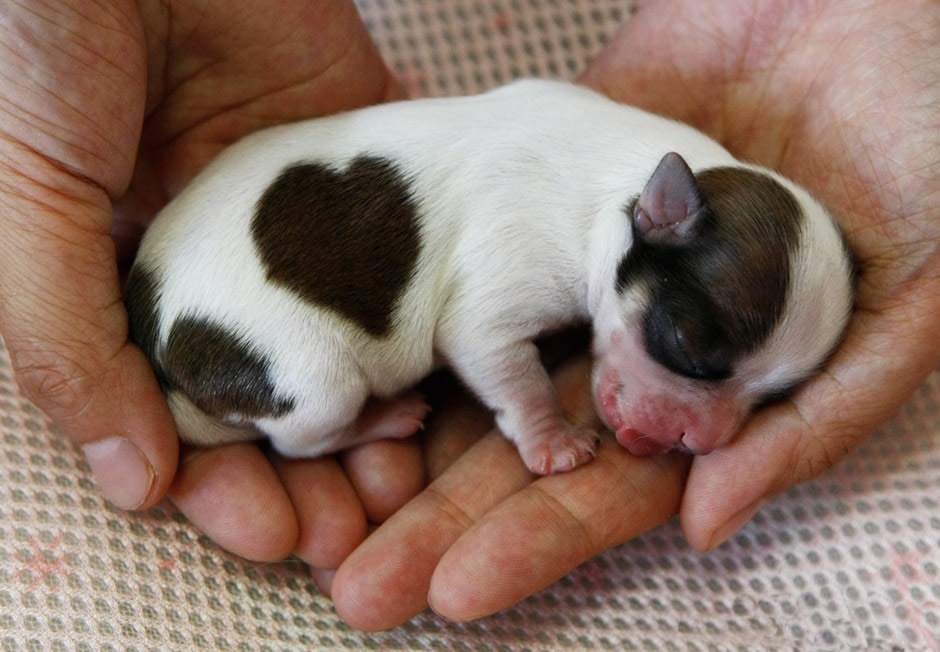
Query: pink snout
point(653, 411)
point(642, 444)
point(656, 425)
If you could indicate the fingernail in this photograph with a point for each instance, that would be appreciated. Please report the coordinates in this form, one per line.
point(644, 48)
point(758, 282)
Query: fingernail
point(124, 475)
point(450, 618)
point(323, 579)
point(440, 615)
point(734, 524)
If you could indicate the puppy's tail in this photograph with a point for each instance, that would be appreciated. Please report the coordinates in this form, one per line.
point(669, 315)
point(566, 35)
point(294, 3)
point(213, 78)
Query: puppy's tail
point(198, 428)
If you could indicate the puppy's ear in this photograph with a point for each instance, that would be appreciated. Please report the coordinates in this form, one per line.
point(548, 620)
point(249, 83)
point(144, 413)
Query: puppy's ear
point(671, 206)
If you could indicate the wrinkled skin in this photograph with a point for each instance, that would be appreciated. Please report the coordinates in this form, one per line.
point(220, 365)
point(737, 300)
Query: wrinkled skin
point(119, 115)
point(840, 96)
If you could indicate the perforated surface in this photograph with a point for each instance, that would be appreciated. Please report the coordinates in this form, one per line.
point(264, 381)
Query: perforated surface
point(848, 561)
point(456, 47)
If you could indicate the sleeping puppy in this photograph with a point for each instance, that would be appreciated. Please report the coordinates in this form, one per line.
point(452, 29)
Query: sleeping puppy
point(314, 272)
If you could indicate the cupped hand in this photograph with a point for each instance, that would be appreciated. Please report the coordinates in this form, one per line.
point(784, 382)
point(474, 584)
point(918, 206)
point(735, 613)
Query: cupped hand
point(841, 97)
point(106, 111)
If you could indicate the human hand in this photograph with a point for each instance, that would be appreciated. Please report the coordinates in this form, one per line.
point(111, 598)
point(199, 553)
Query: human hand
point(841, 97)
point(105, 113)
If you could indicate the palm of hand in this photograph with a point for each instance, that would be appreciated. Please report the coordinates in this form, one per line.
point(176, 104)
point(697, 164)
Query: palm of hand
point(216, 76)
point(840, 101)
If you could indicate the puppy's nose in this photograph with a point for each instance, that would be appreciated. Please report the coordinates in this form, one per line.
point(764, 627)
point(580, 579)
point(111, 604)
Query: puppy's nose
point(641, 444)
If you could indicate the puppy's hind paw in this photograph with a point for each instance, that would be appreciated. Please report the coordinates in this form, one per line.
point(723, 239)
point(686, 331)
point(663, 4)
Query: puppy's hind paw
point(393, 418)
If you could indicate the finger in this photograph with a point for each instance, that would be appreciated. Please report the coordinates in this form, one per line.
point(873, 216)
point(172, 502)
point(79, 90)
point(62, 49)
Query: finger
point(385, 474)
point(323, 578)
point(330, 517)
point(387, 579)
point(384, 582)
point(456, 424)
point(67, 147)
point(65, 326)
point(546, 530)
point(233, 495)
point(885, 355)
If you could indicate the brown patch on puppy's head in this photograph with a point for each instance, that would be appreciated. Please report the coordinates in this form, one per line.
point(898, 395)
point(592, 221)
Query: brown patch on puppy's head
point(735, 288)
point(716, 270)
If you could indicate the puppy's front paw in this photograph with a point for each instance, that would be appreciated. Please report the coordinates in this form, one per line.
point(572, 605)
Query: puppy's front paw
point(561, 449)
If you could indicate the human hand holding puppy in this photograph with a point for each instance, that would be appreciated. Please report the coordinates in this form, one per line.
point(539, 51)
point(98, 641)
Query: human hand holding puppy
point(478, 548)
point(839, 99)
point(105, 115)
point(312, 266)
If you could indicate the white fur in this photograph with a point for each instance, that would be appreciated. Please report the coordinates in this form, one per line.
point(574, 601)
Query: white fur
point(521, 192)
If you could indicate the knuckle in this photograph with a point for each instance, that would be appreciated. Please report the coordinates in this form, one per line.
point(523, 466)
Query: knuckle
point(55, 383)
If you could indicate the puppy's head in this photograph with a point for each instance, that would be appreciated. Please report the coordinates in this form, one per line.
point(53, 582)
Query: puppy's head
point(736, 288)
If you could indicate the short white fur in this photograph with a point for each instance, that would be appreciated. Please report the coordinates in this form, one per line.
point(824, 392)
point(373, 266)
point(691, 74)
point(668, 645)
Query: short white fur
point(521, 194)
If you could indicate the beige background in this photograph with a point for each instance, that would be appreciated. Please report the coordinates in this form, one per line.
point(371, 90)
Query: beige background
point(848, 561)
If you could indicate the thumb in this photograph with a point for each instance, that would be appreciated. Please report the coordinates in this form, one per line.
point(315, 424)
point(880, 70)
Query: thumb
point(63, 322)
point(886, 354)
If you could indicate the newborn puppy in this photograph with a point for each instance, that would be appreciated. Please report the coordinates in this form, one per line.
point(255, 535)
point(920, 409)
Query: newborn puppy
point(312, 266)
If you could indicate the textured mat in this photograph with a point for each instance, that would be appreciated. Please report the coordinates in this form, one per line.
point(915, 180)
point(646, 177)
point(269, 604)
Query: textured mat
point(850, 560)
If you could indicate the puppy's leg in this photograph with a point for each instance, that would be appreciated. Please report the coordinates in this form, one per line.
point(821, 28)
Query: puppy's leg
point(390, 418)
point(335, 412)
point(513, 382)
